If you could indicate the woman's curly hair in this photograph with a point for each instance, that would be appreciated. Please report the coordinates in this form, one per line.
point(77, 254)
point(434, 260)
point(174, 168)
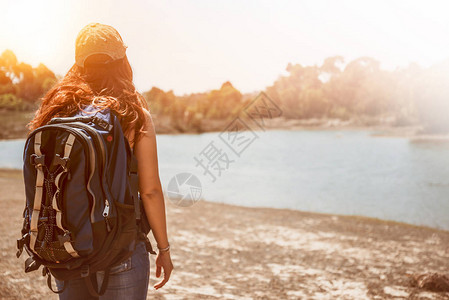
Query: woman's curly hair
point(102, 83)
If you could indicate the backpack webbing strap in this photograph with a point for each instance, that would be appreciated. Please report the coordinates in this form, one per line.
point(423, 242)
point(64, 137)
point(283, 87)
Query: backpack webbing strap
point(55, 204)
point(134, 183)
point(68, 146)
point(38, 192)
point(93, 287)
point(67, 150)
point(49, 284)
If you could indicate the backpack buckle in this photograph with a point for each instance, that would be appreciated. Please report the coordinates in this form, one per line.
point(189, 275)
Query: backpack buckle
point(102, 123)
point(62, 161)
point(64, 238)
point(37, 160)
point(31, 265)
point(21, 243)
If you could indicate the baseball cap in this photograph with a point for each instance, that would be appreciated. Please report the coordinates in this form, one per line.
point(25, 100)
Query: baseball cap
point(96, 38)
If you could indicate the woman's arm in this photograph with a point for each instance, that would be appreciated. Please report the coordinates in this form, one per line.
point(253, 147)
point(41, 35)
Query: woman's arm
point(152, 196)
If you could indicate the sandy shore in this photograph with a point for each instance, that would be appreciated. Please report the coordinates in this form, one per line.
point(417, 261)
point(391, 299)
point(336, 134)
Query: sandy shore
point(230, 252)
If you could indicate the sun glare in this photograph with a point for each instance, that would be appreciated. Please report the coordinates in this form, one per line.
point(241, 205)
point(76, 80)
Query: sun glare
point(40, 34)
point(254, 48)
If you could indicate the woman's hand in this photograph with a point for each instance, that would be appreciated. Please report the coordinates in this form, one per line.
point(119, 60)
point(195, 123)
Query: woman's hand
point(163, 261)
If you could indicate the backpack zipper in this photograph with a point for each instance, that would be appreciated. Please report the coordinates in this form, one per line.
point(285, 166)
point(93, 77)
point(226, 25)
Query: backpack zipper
point(101, 145)
point(99, 141)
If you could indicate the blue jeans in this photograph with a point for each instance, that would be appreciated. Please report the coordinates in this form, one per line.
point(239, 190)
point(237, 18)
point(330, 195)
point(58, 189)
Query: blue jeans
point(129, 280)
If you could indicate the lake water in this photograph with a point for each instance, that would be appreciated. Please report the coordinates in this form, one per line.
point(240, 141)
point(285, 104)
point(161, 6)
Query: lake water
point(339, 172)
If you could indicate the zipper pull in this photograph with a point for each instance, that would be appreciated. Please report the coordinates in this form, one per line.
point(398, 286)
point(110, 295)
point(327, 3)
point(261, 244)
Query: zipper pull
point(106, 208)
point(106, 214)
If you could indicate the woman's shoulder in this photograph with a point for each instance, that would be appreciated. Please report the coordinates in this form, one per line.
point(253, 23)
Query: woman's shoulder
point(147, 130)
point(149, 126)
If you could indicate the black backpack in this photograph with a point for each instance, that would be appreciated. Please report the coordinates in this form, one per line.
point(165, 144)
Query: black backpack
point(83, 213)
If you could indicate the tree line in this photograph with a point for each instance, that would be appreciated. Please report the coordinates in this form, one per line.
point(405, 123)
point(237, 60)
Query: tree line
point(359, 90)
point(21, 85)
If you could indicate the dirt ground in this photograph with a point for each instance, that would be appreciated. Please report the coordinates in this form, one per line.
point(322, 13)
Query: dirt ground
point(230, 252)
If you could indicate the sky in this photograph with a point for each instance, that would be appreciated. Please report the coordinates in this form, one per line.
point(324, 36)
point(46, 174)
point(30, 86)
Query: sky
point(196, 45)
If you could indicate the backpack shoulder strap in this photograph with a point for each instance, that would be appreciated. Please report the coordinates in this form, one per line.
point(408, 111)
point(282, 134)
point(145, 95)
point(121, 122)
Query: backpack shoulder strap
point(143, 225)
point(134, 185)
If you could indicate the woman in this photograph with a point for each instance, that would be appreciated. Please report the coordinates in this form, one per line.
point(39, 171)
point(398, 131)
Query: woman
point(102, 76)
